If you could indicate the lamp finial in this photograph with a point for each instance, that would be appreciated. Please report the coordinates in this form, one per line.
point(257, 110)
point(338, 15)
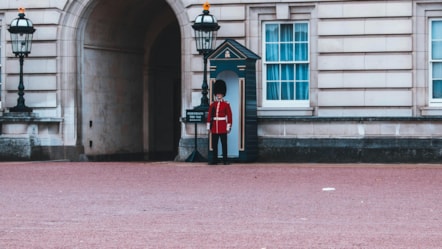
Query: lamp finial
point(206, 6)
point(21, 10)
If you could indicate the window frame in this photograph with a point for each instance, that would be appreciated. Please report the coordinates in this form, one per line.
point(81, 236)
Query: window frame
point(2, 59)
point(432, 101)
point(265, 63)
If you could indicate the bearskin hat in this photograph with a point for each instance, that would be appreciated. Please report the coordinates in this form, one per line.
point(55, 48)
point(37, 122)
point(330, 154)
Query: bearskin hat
point(219, 87)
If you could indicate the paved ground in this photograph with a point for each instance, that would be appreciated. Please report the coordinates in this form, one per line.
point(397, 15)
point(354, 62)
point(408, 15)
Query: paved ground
point(192, 205)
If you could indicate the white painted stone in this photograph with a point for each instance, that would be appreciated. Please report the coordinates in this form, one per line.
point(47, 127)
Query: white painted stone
point(365, 27)
point(48, 129)
point(361, 9)
point(330, 10)
point(341, 98)
point(364, 9)
point(399, 79)
point(404, 8)
point(365, 62)
point(365, 44)
point(364, 112)
point(39, 50)
point(429, 111)
point(48, 112)
point(32, 82)
point(399, 43)
point(282, 11)
point(197, 80)
point(382, 98)
point(48, 140)
point(45, 33)
point(353, 129)
point(33, 99)
point(299, 129)
point(14, 128)
point(341, 62)
point(387, 98)
point(33, 4)
point(253, 30)
point(229, 13)
point(388, 61)
point(271, 129)
point(341, 27)
point(194, 11)
point(330, 80)
point(32, 65)
point(290, 112)
point(394, 26)
point(196, 98)
point(43, 16)
point(334, 129)
point(331, 45)
point(231, 29)
point(365, 79)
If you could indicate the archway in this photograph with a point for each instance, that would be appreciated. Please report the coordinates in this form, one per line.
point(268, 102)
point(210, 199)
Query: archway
point(164, 95)
point(131, 87)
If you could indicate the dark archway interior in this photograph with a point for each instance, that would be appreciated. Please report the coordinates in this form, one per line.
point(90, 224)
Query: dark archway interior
point(131, 74)
point(165, 94)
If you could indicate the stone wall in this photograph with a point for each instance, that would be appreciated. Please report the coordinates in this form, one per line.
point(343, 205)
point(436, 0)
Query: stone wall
point(369, 59)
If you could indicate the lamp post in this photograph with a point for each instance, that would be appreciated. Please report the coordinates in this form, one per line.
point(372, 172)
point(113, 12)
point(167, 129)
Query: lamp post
point(21, 30)
point(205, 27)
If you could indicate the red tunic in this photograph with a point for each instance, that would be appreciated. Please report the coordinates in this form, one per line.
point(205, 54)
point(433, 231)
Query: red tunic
point(220, 117)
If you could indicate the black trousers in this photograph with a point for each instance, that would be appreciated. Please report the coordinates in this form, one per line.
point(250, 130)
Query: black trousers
point(215, 138)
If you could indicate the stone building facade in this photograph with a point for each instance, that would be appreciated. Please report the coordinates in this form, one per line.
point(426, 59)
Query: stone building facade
point(338, 80)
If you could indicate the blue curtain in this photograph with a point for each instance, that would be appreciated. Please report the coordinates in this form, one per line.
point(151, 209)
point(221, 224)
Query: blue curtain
point(287, 82)
point(302, 81)
point(436, 54)
point(272, 40)
point(437, 80)
point(286, 42)
point(436, 40)
point(302, 70)
point(301, 38)
point(273, 82)
point(272, 55)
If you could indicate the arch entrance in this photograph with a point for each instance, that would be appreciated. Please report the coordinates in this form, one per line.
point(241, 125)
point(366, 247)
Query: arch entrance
point(130, 74)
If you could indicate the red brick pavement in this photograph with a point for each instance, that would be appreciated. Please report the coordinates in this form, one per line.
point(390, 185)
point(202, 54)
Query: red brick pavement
point(192, 205)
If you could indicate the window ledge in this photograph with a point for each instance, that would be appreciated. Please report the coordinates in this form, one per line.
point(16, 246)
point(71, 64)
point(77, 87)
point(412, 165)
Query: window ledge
point(431, 111)
point(283, 112)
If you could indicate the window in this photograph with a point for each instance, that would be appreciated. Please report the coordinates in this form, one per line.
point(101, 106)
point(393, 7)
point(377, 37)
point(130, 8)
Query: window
point(435, 62)
point(286, 72)
point(1, 61)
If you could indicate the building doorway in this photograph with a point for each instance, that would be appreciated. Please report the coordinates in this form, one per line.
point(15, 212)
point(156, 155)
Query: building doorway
point(130, 75)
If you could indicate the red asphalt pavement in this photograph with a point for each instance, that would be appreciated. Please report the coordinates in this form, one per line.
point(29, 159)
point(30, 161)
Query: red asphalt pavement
point(193, 205)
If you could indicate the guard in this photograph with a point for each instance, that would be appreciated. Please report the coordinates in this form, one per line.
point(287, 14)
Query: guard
point(219, 121)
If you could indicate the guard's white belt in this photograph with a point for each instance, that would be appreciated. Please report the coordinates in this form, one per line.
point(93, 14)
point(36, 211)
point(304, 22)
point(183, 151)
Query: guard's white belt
point(218, 118)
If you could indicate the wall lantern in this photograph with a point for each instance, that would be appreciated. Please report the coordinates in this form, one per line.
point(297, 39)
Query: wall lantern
point(205, 27)
point(21, 30)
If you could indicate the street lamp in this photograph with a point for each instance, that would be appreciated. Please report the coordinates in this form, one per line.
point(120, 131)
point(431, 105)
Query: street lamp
point(21, 30)
point(205, 27)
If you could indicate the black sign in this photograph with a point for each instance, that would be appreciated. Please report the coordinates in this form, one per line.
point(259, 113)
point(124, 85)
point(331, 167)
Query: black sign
point(193, 116)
